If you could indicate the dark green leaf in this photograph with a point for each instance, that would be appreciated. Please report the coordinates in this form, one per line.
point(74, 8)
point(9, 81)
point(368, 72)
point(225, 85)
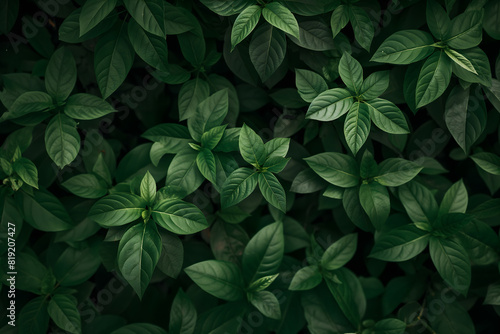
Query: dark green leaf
point(245, 24)
point(433, 78)
point(219, 278)
point(465, 31)
point(86, 186)
point(330, 105)
point(263, 254)
point(418, 201)
point(60, 76)
point(267, 50)
point(113, 59)
point(117, 209)
point(400, 244)
point(149, 15)
point(404, 47)
point(452, 263)
point(63, 311)
point(280, 17)
point(93, 12)
point(357, 126)
point(138, 253)
point(179, 217)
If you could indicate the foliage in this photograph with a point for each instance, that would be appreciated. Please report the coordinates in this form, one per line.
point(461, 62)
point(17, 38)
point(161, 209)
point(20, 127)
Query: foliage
point(250, 166)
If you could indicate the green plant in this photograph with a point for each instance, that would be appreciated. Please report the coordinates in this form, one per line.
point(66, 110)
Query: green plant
point(215, 161)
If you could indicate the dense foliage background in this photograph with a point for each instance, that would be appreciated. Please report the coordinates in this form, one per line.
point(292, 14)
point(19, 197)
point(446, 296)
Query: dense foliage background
point(250, 166)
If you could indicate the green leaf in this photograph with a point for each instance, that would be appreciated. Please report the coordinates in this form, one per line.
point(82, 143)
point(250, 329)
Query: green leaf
point(449, 224)
point(336, 168)
point(33, 318)
point(276, 164)
point(86, 186)
point(340, 252)
point(389, 326)
point(339, 19)
point(205, 160)
point(433, 78)
point(437, 20)
point(238, 186)
point(267, 50)
point(357, 126)
point(374, 85)
point(330, 105)
point(148, 188)
point(138, 253)
point(113, 59)
point(394, 172)
point(466, 30)
point(281, 17)
point(193, 46)
point(183, 172)
point(277, 148)
point(262, 283)
point(400, 244)
point(309, 84)
point(179, 217)
point(404, 47)
point(149, 15)
point(455, 199)
point(212, 137)
point(86, 107)
point(27, 103)
point(62, 140)
point(351, 73)
point(27, 171)
point(172, 254)
point(387, 116)
point(63, 311)
point(454, 319)
point(225, 8)
point(244, 24)
point(151, 48)
point(306, 279)
point(209, 114)
point(341, 291)
point(190, 96)
point(267, 303)
point(374, 199)
point(264, 252)
point(9, 12)
point(175, 137)
point(93, 12)
point(272, 190)
point(219, 278)
point(488, 162)
point(490, 20)
point(493, 294)
point(452, 263)
point(314, 35)
point(182, 315)
point(419, 202)
point(60, 75)
point(251, 147)
point(75, 266)
point(45, 212)
point(117, 209)
point(479, 61)
point(465, 117)
point(362, 26)
point(31, 273)
point(460, 60)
